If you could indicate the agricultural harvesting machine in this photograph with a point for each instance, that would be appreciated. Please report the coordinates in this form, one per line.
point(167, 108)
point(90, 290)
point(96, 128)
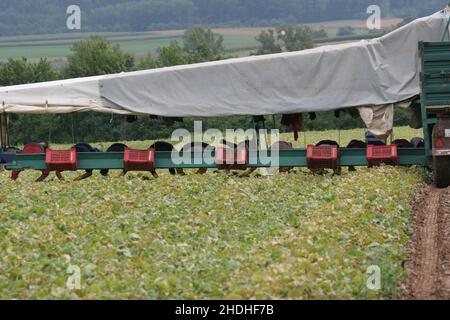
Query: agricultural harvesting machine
point(409, 64)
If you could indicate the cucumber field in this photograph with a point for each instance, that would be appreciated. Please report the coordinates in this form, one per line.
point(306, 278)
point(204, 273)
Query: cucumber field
point(207, 237)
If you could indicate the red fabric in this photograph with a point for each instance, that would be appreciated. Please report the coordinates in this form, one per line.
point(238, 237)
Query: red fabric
point(293, 120)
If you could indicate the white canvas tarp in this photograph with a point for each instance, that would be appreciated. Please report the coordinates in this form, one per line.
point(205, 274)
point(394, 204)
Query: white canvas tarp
point(363, 74)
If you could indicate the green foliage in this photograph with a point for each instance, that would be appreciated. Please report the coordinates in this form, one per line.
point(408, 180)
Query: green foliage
point(21, 71)
point(38, 128)
point(202, 45)
point(345, 31)
point(319, 34)
point(149, 62)
point(295, 38)
point(96, 56)
point(171, 55)
point(199, 45)
point(288, 236)
point(268, 42)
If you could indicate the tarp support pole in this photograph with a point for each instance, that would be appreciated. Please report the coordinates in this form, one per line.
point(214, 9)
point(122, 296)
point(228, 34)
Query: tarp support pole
point(4, 131)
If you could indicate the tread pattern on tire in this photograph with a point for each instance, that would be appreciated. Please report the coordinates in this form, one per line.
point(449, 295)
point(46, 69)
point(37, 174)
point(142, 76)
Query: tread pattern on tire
point(441, 171)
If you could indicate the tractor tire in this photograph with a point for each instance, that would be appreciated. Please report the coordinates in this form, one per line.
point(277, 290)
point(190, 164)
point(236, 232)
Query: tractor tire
point(441, 171)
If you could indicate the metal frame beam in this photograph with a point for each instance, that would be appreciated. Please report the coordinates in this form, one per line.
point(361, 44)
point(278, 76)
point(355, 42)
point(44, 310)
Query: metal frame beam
point(288, 158)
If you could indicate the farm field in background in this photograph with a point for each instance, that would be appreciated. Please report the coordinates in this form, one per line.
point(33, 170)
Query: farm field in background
point(214, 236)
point(238, 41)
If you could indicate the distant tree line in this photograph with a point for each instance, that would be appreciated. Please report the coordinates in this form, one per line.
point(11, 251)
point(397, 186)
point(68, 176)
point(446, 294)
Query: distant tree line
point(97, 56)
point(48, 16)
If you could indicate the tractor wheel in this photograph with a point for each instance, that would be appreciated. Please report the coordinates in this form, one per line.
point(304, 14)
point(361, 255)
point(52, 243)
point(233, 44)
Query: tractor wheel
point(441, 171)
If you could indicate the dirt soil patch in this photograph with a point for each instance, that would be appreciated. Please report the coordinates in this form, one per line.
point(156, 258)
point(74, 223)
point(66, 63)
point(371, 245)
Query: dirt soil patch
point(428, 262)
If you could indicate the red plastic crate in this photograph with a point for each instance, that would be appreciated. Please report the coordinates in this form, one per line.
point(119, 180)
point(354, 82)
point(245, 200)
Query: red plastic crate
point(61, 160)
point(322, 157)
point(139, 160)
point(376, 155)
point(228, 158)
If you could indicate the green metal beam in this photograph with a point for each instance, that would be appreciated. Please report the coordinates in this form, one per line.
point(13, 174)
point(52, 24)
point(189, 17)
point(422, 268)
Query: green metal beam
point(288, 158)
